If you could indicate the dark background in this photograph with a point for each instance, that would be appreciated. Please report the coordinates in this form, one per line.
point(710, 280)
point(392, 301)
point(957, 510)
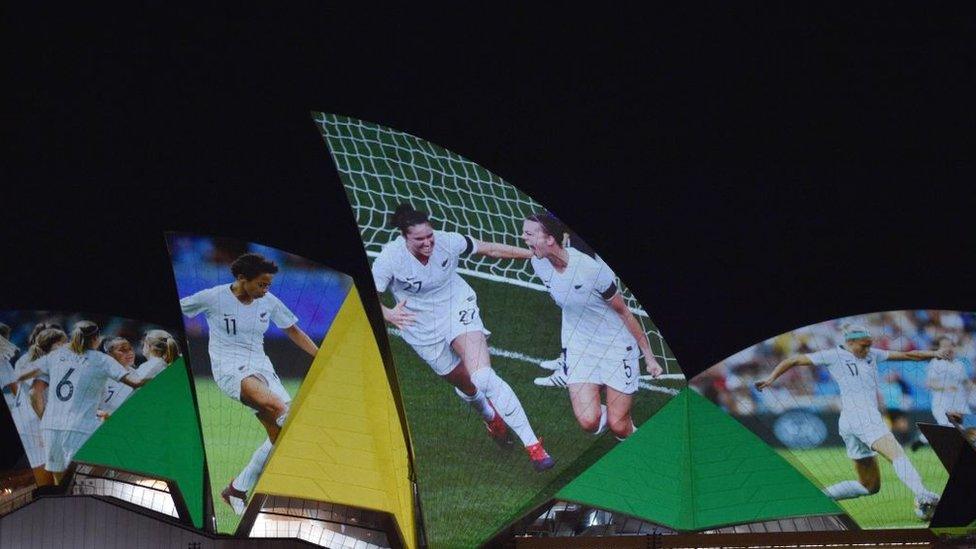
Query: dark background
point(745, 171)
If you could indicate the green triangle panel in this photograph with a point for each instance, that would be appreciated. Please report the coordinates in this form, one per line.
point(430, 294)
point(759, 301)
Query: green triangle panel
point(692, 467)
point(156, 433)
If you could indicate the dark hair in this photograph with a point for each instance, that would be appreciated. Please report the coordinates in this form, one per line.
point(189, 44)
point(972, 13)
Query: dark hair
point(40, 327)
point(564, 236)
point(405, 217)
point(252, 266)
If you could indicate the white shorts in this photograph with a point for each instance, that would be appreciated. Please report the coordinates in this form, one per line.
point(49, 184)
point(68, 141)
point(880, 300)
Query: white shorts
point(860, 432)
point(229, 379)
point(621, 373)
point(440, 356)
point(61, 447)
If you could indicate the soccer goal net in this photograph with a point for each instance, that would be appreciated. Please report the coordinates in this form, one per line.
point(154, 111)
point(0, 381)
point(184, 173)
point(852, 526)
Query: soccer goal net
point(384, 167)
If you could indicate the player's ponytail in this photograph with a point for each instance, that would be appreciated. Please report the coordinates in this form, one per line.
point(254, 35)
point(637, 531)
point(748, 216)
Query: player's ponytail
point(163, 345)
point(405, 216)
point(45, 340)
point(83, 336)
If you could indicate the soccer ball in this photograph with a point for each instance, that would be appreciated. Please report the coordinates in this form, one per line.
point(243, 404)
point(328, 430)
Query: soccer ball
point(925, 509)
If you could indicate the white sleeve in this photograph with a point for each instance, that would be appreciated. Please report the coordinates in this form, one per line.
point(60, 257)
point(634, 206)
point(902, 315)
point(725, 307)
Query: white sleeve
point(43, 373)
point(458, 244)
point(7, 375)
point(110, 366)
point(606, 281)
point(196, 303)
point(147, 370)
point(879, 355)
point(821, 357)
point(382, 272)
point(282, 316)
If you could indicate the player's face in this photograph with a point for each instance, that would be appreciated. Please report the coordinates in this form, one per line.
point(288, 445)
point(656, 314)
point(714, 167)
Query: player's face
point(256, 287)
point(124, 354)
point(859, 347)
point(536, 239)
point(420, 240)
point(946, 345)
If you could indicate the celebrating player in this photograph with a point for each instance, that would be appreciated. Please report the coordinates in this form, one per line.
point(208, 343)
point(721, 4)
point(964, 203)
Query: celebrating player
point(160, 350)
point(949, 384)
point(238, 314)
point(43, 338)
point(601, 339)
point(854, 366)
point(437, 313)
point(76, 375)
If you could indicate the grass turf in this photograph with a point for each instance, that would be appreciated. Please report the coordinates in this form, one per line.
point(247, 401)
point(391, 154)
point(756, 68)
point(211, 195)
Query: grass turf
point(892, 507)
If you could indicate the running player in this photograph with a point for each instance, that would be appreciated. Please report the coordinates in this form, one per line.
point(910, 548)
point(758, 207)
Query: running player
point(238, 314)
point(437, 313)
point(76, 375)
point(602, 340)
point(854, 366)
point(949, 384)
point(160, 350)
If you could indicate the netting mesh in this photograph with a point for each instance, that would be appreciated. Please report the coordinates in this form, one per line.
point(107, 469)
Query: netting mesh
point(384, 167)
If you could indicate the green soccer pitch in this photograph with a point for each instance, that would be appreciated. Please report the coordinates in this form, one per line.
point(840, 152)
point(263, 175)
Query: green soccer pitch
point(892, 507)
point(469, 487)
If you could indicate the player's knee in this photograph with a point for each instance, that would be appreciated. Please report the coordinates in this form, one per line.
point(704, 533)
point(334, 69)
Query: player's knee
point(621, 428)
point(589, 422)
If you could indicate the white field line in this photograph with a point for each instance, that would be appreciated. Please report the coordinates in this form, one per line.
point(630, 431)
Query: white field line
point(646, 381)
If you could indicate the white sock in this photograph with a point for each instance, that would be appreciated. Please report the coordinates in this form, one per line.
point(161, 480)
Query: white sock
point(249, 476)
point(909, 476)
point(846, 490)
point(603, 421)
point(506, 402)
point(280, 421)
point(479, 402)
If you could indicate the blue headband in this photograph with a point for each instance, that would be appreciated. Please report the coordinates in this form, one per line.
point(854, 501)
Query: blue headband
point(860, 334)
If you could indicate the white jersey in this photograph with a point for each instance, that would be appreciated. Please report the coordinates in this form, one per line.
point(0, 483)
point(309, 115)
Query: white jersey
point(25, 416)
point(236, 330)
point(951, 376)
point(75, 384)
point(7, 377)
point(116, 392)
point(857, 378)
point(589, 326)
point(432, 291)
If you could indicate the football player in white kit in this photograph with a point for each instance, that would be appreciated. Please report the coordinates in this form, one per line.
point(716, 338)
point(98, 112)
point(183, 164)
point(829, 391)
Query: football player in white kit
point(159, 348)
point(949, 385)
point(238, 314)
point(76, 375)
point(437, 313)
point(854, 366)
point(602, 340)
point(42, 338)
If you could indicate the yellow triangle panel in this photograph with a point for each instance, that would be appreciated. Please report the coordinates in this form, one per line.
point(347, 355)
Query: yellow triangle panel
point(343, 442)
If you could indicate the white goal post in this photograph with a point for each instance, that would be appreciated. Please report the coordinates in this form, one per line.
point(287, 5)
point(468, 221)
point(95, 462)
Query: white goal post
point(383, 167)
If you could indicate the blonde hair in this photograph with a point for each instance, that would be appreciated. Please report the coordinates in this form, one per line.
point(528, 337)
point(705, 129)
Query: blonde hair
point(84, 333)
point(45, 340)
point(162, 344)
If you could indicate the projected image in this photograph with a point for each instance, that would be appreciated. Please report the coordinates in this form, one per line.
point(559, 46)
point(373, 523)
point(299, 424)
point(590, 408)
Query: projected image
point(64, 374)
point(519, 354)
point(842, 398)
point(255, 317)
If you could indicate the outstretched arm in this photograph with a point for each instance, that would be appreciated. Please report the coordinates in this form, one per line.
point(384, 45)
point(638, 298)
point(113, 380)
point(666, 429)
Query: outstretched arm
point(300, 338)
point(782, 368)
point(633, 326)
point(38, 396)
point(398, 315)
point(917, 355)
point(501, 251)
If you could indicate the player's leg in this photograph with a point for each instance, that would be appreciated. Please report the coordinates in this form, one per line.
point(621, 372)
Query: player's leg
point(589, 411)
point(269, 407)
point(888, 447)
point(865, 466)
point(618, 413)
point(472, 348)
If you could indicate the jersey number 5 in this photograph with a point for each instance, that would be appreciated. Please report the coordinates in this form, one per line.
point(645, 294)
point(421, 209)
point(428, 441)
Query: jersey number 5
point(65, 386)
point(231, 325)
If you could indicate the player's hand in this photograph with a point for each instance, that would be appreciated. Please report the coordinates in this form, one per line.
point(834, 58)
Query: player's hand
point(652, 366)
point(763, 383)
point(399, 316)
point(943, 354)
point(102, 414)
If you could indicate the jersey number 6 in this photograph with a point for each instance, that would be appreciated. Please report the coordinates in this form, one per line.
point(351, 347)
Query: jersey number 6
point(65, 383)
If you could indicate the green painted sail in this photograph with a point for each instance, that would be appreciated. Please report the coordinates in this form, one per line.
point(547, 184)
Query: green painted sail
point(156, 433)
point(692, 467)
